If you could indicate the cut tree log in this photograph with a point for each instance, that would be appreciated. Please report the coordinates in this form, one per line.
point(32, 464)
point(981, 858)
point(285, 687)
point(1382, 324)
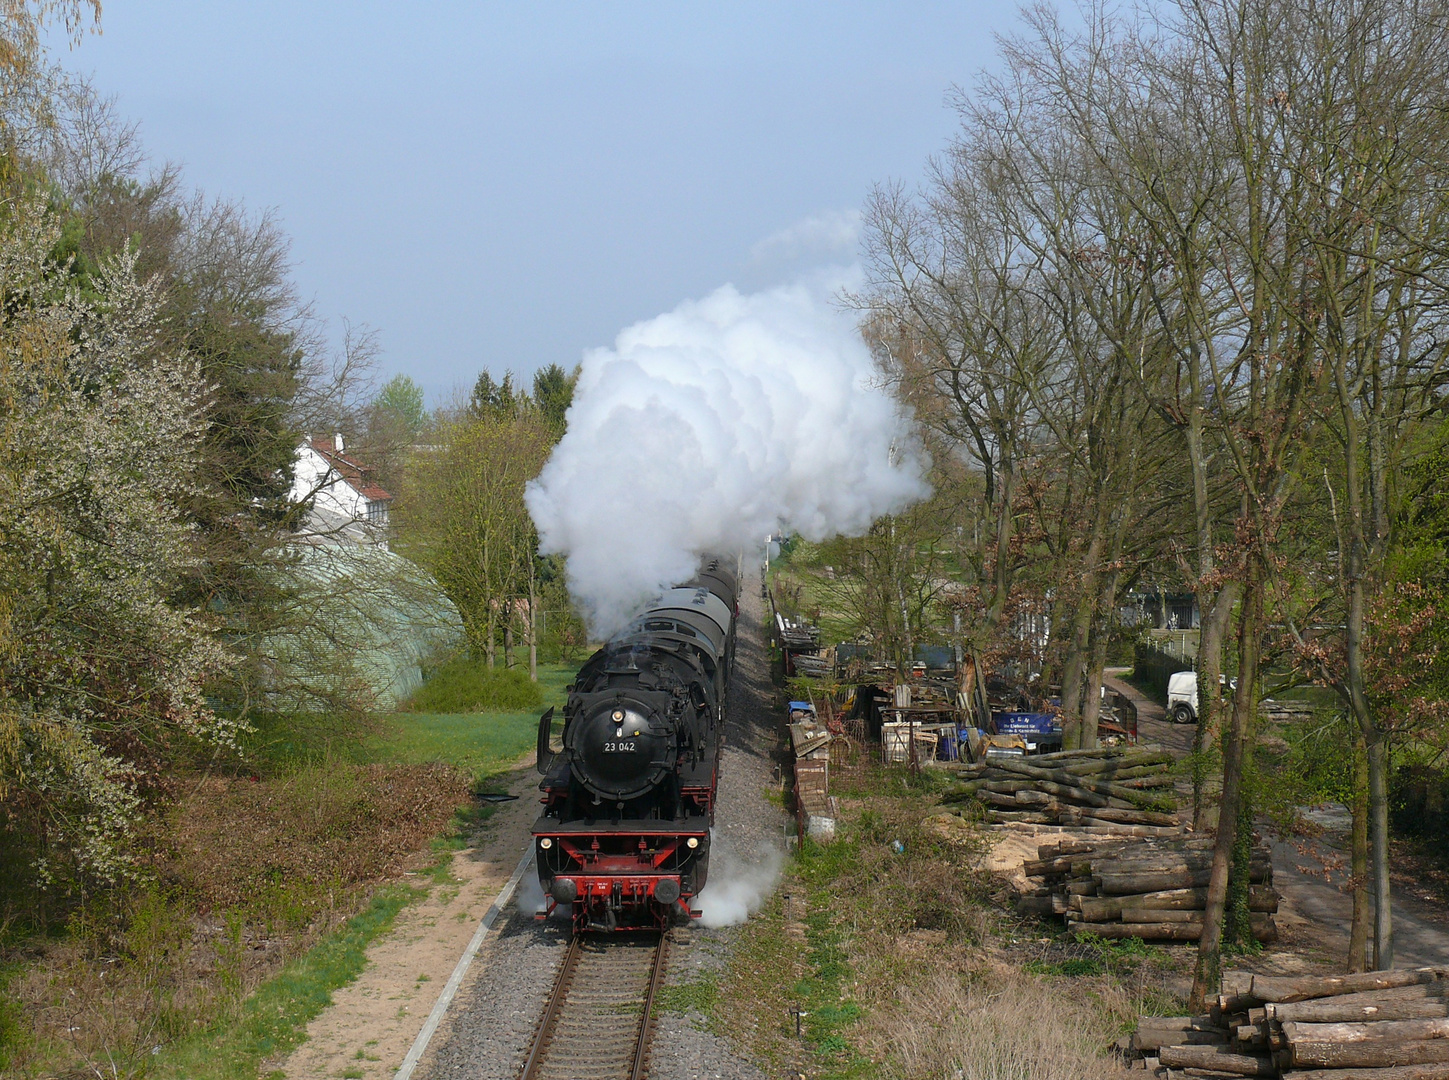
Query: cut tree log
point(1071, 755)
point(962, 792)
point(1400, 1072)
point(1151, 761)
point(991, 798)
point(1142, 881)
point(1085, 823)
point(1088, 819)
point(1400, 1003)
point(1159, 915)
point(1062, 864)
point(1265, 929)
point(1067, 780)
point(1367, 1032)
point(1143, 783)
point(1129, 817)
point(1221, 1059)
point(1031, 816)
point(1039, 798)
point(1377, 1055)
point(1182, 1023)
point(1165, 857)
point(1145, 931)
point(1261, 898)
point(1192, 845)
point(1302, 987)
point(1153, 1038)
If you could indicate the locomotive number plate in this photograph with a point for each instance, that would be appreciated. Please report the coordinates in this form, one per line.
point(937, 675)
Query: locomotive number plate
point(618, 747)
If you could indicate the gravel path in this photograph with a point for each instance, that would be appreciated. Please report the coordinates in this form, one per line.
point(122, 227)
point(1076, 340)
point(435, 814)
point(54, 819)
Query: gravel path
point(486, 1033)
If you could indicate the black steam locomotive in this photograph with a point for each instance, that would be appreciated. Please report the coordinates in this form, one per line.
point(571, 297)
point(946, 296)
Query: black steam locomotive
point(623, 841)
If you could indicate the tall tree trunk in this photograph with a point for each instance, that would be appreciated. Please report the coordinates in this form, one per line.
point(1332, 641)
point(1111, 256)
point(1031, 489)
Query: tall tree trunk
point(508, 640)
point(1101, 631)
point(1208, 973)
point(1377, 740)
point(1212, 633)
point(1074, 732)
point(1359, 932)
point(1378, 770)
point(1092, 694)
point(1074, 670)
point(489, 644)
point(532, 624)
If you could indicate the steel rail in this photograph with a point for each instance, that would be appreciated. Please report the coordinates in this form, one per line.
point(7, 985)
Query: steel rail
point(593, 971)
point(550, 1012)
point(646, 1019)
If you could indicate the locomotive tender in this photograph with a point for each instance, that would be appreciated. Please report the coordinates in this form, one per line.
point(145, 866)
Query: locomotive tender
point(623, 841)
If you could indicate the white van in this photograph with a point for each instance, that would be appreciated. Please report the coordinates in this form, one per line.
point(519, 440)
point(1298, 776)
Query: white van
point(1182, 695)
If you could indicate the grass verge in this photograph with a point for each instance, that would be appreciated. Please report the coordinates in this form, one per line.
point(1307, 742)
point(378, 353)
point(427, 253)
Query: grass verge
point(267, 887)
point(274, 1020)
point(897, 950)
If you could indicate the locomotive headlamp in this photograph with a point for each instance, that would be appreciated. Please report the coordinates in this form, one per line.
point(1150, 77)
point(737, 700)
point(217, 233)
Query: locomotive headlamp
point(545, 843)
point(618, 716)
point(692, 842)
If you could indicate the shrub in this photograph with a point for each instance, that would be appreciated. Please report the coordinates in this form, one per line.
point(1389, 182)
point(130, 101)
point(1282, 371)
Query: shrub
point(464, 685)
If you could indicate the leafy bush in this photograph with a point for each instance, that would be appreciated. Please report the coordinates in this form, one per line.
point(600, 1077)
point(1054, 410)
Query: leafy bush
point(464, 685)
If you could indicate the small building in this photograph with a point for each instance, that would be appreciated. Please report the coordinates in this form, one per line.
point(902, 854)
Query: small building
point(347, 505)
point(1159, 609)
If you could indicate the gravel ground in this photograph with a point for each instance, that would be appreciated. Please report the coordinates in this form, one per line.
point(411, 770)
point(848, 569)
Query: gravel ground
point(486, 1033)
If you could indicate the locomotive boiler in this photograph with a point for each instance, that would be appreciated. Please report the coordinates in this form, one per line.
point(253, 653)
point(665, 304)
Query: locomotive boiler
point(623, 840)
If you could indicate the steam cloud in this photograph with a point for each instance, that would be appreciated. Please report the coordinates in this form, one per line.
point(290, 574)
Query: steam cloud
point(710, 426)
point(737, 888)
point(529, 898)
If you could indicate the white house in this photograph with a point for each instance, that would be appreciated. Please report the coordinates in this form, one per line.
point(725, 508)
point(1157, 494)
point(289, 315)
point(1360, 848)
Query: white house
point(347, 505)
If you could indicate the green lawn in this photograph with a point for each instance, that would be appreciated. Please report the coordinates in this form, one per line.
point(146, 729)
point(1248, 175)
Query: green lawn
point(484, 743)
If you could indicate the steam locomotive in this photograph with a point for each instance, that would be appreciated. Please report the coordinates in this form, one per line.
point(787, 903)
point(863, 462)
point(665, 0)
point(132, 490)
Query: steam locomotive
point(623, 841)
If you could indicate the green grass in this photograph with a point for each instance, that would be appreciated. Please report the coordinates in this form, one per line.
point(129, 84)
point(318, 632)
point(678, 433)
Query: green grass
point(465, 685)
point(482, 742)
point(698, 995)
point(274, 1020)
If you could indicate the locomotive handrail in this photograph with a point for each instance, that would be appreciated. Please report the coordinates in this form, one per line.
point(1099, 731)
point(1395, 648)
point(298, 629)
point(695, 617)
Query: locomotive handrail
point(545, 733)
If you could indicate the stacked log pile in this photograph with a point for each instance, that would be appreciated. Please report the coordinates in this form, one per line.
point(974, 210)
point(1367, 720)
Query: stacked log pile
point(1149, 888)
point(1117, 790)
point(1378, 1025)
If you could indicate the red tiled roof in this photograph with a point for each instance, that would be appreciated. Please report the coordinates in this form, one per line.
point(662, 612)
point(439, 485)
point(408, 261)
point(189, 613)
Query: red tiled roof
point(351, 470)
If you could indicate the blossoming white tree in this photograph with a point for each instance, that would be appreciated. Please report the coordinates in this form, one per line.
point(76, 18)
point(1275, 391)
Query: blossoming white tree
point(100, 675)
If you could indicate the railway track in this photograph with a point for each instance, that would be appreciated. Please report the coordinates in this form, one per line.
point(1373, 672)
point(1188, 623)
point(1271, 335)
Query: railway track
point(600, 1014)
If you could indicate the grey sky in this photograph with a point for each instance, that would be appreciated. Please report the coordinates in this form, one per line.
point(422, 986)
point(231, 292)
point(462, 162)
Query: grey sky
point(505, 185)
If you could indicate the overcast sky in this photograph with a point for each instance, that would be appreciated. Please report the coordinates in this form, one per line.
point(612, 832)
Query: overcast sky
point(504, 185)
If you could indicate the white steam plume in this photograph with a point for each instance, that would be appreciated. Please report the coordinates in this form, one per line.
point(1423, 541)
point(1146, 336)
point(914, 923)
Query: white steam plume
point(529, 898)
point(736, 889)
point(708, 427)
